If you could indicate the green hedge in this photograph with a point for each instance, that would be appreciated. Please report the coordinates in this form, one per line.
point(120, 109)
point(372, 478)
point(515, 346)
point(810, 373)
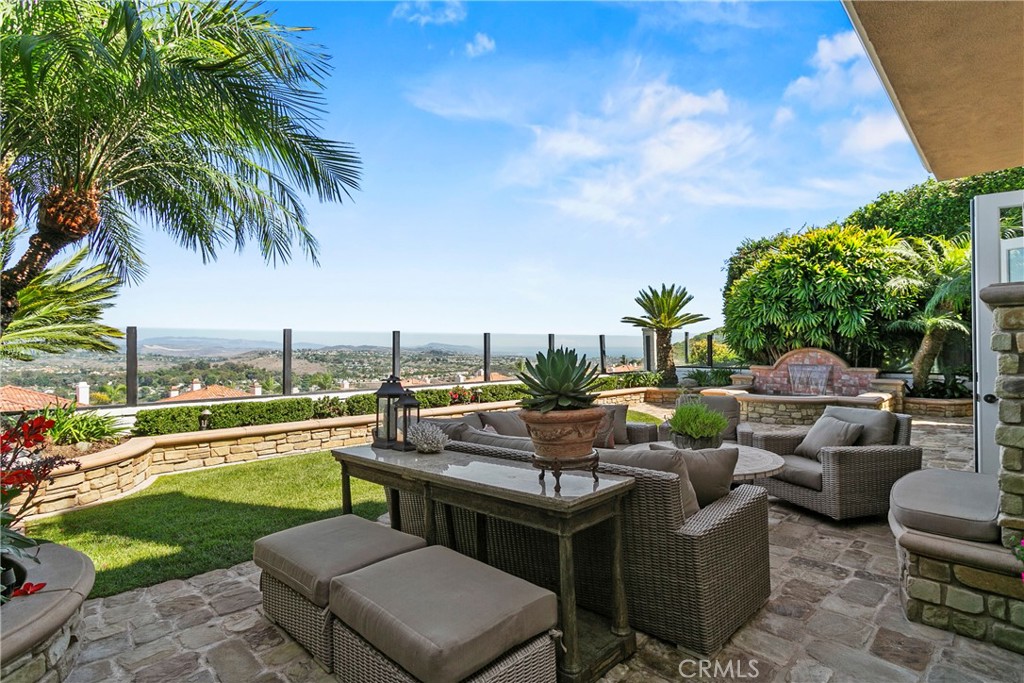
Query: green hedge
point(222, 416)
point(629, 380)
point(361, 404)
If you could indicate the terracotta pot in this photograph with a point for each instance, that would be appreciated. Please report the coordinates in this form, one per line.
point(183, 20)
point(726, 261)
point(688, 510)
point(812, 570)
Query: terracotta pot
point(563, 434)
point(687, 441)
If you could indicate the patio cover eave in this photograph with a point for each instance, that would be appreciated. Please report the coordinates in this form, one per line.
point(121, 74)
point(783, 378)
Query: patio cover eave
point(955, 73)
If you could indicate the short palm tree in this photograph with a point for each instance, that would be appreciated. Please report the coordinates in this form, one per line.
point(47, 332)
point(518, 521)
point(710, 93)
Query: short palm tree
point(940, 269)
point(663, 313)
point(60, 308)
point(199, 118)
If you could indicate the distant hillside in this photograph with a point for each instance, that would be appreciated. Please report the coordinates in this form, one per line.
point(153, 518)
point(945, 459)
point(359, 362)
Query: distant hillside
point(198, 347)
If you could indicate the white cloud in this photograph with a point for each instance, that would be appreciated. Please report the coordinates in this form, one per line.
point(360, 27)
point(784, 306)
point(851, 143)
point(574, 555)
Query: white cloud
point(783, 115)
point(481, 45)
point(873, 133)
point(423, 13)
point(842, 73)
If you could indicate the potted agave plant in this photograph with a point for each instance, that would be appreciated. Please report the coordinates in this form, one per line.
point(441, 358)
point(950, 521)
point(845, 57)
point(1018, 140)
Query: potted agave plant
point(559, 409)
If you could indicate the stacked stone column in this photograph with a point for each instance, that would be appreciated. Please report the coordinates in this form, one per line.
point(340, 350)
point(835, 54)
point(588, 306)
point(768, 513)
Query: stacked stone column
point(1007, 304)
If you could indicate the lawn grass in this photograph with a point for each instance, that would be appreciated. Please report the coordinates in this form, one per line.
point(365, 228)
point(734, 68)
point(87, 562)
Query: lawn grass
point(637, 416)
point(186, 524)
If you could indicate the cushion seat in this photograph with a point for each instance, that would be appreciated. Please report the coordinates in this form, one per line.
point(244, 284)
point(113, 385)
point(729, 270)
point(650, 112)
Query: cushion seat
point(441, 615)
point(948, 503)
point(801, 471)
point(307, 557)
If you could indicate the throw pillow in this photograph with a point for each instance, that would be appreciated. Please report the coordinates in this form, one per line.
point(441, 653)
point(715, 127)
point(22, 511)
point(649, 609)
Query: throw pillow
point(879, 425)
point(605, 432)
point(453, 429)
point(828, 431)
point(619, 422)
point(508, 423)
point(710, 470)
point(661, 461)
point(727, 406)
point(489, 429)
point(519, 443)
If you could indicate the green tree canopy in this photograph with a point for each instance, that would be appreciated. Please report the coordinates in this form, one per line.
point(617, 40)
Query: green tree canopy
point(199, 118)
point(827, 287)
point(935, 208)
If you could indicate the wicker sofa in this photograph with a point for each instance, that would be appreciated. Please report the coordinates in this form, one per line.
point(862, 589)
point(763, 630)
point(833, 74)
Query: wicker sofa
point(845, 482)
point(692, 582)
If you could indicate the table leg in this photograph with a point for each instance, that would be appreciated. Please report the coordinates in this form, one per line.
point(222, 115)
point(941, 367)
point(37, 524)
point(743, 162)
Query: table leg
point(567, 598)
point(481, 537)
point(620, 613)
point(396, 508)
point(429, 531)
point(346, 491)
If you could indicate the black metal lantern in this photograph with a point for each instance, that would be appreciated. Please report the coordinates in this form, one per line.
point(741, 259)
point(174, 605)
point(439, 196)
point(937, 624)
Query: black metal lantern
point(385, 430)
point(409, 409)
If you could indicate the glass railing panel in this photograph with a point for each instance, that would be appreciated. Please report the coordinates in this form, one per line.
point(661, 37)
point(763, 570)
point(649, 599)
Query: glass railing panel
point(441, 358)
point(339, 361)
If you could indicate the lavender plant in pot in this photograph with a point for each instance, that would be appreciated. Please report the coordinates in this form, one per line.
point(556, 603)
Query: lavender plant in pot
point(559, 410)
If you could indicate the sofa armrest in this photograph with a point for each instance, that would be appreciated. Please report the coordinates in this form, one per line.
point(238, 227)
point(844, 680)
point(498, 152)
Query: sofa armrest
point(745, 507)
point(745, 434)
point(641, 432)
point(780, 443)
point(865, 466)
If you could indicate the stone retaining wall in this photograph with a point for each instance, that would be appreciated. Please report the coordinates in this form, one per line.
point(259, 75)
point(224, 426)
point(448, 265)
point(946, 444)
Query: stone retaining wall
point(800, 410)
point(125, 468)
point(938, 407)
point(967, 600)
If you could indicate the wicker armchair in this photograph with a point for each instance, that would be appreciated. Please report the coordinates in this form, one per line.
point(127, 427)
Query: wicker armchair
point(681, 582)
point(855, 480)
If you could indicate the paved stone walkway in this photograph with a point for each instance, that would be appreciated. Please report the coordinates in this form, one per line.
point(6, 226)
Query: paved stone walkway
point(833, 615)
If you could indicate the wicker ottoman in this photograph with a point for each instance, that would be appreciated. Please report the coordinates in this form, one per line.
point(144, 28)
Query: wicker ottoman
point(437, 616)
point(299, 563)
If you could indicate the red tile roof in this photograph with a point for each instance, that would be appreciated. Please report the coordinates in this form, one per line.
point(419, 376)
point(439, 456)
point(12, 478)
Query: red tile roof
point(206, 393)
point(18, 398)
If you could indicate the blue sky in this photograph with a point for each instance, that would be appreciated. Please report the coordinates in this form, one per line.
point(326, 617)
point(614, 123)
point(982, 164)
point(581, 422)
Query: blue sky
point(528, 167)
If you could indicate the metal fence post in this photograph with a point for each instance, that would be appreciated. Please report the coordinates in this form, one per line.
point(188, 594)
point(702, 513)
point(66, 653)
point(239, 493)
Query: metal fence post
point(648, 354)
point(286, 362)
point(686, 348)
point(131, 369)
point(711, 350)
point(396, 353)
point(487, 356)
point(603, 351)
point(551, 343)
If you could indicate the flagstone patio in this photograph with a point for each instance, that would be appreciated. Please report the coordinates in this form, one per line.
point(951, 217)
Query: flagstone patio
point(833, 615)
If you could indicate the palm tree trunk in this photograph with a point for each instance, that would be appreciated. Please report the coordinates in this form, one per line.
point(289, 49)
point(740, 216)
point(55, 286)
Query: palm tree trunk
point(7, 213)
point(924, 358)
point(666, 361)
point(65, 217)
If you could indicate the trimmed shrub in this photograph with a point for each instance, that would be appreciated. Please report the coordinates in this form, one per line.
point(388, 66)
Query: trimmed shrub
point(222, 416)
point(629, 380)
point(501, 392)
point(328, 406)
point(361, 404)
point(433, 398)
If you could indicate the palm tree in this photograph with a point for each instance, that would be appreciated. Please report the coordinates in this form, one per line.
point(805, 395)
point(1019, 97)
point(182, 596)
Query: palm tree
point(664, 313)
point(60, 308)
point(199, 118)
point(940, 269)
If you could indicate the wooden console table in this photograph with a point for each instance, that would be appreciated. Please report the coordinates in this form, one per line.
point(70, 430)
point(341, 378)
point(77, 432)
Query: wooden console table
point(510, 490)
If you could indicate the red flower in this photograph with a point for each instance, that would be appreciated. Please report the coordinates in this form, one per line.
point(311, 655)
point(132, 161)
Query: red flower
point(27, 589)
point(17, 478)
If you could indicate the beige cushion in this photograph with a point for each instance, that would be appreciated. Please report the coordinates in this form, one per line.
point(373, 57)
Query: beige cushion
point(441, 615)
point(801, 471)
point(507, 423)
point(879, 425)
point(453, 429)
point(727, 406)
point(710, 470)
point(307, 557)
point(828, 431)
point(619, 422)
point(948, 503)
point(519, 443)
point(671, 461)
